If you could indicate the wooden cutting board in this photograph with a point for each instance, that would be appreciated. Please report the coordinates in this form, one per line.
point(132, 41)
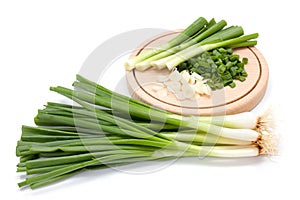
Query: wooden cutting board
point(244, 97)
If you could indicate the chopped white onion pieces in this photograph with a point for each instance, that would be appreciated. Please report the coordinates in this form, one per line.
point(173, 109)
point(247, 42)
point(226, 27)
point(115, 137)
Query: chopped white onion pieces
point(184, 85)
point(174, 86)
point(185, 76)
point(175, 76)
point(188, 91)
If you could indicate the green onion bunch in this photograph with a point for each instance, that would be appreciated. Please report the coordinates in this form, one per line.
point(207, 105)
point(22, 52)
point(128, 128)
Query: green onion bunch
point(106, 129)
point(201, 36)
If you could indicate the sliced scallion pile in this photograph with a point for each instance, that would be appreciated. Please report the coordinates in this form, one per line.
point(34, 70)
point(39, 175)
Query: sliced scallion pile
point(219, 67)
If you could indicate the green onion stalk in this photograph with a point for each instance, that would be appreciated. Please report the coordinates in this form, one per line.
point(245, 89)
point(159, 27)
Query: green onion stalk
point(96, 95)
point(213, 29)
point(108, 129)
point(172, 61)
point(209, 35)
point(195, 27)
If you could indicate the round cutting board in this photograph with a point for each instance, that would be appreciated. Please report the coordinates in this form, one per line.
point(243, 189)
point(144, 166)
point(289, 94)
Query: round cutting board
point(244, 97)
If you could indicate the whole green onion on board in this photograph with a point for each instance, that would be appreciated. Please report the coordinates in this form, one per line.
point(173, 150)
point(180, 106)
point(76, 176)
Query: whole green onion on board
point(195, 27)
point(108, 129)
point(205, 36)
point(174, 60)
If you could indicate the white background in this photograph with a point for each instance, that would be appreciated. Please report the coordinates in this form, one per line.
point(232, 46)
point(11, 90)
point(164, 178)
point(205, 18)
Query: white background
point(44, 43)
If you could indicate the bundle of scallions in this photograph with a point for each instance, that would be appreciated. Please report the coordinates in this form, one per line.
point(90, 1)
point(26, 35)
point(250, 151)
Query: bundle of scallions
point(107, 129)
point(197, 38)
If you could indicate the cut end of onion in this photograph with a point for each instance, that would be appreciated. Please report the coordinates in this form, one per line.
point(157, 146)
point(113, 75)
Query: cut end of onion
point(142, 66)
point(268, 140)
point(129, 65)
point(159, 64)
point(170, 65)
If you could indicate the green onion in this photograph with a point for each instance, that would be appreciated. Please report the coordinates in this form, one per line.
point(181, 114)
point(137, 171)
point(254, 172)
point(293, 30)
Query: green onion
point(187, 33)
point(71, 139)
point(176, 59)
point(209, 36)
point(213, 29)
